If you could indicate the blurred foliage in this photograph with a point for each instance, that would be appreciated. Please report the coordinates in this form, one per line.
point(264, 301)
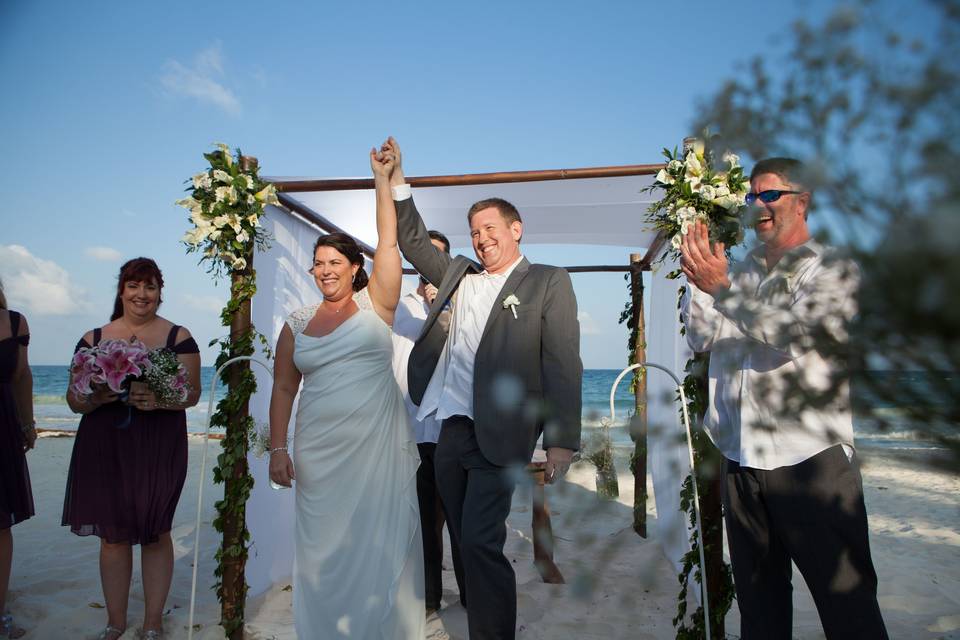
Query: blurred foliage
point(869, 99)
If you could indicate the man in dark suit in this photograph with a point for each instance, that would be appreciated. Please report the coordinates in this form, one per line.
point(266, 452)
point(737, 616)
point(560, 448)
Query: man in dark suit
point(505, 370)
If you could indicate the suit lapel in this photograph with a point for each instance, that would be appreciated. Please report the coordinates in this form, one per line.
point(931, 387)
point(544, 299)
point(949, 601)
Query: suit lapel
point(509, 287)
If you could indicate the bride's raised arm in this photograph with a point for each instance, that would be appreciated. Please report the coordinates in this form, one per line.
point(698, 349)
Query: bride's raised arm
point(384, 286)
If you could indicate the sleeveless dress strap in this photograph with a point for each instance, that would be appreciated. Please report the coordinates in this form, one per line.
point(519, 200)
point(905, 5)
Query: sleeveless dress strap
point(14, 323)
point(298, 320)
point(97, 333)
point(172, 336)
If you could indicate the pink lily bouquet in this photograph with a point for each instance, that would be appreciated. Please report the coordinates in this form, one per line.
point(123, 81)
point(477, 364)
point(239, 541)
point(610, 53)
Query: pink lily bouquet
point(117, 363)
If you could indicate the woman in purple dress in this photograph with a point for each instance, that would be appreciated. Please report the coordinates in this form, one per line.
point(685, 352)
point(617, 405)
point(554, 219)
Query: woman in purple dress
point(17, 435)
point(125, 481)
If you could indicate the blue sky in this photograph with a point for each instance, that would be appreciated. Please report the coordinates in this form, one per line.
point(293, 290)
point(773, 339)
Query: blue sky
point(108, 106)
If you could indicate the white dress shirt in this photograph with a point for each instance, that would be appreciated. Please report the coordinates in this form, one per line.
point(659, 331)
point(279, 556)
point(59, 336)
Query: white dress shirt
point(408, 321)
point(765, 363)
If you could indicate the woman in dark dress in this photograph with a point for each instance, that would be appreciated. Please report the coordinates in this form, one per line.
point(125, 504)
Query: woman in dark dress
point(17, 435)
point(124, 482)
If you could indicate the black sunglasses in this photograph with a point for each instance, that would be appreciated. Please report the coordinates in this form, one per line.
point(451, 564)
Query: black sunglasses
point(768, 196)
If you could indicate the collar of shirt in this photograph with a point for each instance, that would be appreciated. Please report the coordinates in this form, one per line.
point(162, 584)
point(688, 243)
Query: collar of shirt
point(757, 256)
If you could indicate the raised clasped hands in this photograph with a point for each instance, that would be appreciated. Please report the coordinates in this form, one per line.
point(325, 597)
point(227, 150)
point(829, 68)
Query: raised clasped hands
point(382, 162)
point(705, 265)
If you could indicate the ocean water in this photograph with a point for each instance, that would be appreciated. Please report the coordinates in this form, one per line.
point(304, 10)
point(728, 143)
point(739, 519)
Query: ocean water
point(51, 410)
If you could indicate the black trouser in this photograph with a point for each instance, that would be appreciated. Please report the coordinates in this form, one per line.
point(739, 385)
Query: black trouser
point(476, 497)
point(811, 513)
point(431, 523)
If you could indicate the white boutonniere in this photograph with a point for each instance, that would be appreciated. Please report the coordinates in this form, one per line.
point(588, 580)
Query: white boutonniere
point(511, 301)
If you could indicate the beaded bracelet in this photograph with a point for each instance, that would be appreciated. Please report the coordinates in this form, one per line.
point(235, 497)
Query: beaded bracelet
point(273, 451)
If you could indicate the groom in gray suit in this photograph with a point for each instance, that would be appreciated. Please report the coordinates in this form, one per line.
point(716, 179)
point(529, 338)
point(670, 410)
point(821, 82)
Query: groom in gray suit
point(505, 370)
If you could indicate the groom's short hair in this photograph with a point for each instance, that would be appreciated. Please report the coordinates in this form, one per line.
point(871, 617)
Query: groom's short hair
point(507, 211)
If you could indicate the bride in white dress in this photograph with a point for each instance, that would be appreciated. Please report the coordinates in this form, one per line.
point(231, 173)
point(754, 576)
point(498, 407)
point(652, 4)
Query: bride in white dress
point(358, 569)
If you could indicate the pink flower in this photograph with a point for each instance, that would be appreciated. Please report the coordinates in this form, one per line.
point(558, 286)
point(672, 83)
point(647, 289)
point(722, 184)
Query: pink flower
point(120, 360)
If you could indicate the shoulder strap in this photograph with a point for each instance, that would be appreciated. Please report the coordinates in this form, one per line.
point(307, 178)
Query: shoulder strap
point(298, 320)
point(96, 336)
point(14, 323)
point(172, 336)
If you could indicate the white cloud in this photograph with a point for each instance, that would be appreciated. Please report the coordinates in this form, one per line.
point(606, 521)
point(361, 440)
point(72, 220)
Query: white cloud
point(207, 304)
point(202, 80)
point(105, 254)
point(588, 326)
point(39, 286)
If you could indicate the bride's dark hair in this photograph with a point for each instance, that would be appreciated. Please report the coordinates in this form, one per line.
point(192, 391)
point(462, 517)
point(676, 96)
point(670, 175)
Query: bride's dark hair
point(347, 246)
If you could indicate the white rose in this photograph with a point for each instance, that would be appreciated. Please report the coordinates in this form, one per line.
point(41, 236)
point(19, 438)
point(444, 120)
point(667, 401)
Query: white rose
point(664, 177)
point(732, 158)
point(674, 165)
point(250, 198)
point(721, 190)
point(243, 236)
point(202, 181)
point(222, 176)
point(707, 192)
point(728, 201)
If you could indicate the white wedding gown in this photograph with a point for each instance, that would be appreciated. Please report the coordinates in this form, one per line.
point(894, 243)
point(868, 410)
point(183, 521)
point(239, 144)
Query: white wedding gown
point(358, 568)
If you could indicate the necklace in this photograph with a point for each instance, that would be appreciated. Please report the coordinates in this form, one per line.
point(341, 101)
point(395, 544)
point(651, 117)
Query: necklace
point(133, 334)
point(342, 307)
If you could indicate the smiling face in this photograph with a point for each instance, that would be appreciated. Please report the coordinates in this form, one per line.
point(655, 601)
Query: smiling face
point(782, 224)
point(333, 272)
point(140, 298)
point(495, 241)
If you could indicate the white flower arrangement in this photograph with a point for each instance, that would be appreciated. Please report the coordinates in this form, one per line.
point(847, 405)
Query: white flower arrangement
point(226, 203)
point(511, 301)
point(694, 190)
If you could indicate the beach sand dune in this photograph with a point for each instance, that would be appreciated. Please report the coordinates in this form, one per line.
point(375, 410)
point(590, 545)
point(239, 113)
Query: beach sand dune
point(619, 585)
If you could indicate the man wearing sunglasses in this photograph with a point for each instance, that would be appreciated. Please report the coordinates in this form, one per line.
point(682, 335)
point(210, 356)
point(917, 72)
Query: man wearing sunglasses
point(775, 325)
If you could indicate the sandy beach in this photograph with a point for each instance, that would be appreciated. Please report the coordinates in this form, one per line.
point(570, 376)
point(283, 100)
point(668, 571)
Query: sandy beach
point(619, 585)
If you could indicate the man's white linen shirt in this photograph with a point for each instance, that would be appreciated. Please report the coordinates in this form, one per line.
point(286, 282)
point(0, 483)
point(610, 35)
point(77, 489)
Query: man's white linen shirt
point(408, 321)
point(764, 367)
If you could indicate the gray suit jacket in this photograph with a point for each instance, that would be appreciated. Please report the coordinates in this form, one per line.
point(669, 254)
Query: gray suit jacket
point(527, 373)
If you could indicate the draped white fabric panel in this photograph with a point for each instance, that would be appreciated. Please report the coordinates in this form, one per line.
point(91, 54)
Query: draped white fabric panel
point(667, 456)
point(283, 285)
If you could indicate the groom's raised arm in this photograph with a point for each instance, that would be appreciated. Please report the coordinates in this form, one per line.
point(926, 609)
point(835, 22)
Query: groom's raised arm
point(412, 234)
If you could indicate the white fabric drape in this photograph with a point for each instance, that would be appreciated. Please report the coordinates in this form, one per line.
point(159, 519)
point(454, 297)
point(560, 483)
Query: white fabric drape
point(667, 456)
point(283, 286)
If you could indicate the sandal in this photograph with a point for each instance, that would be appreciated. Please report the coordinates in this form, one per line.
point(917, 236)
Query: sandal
point(110, 633)
point(151, 634)
point(8, 629)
